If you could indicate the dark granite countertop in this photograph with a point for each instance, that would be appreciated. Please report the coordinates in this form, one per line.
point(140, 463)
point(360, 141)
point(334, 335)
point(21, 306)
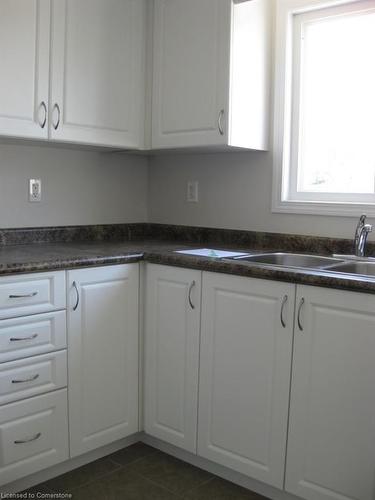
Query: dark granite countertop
point(40, 257)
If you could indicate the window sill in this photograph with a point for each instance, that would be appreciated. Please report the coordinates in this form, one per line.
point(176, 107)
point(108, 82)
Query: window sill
point(323, 208)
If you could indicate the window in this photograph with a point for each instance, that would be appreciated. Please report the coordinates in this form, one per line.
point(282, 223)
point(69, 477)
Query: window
point(325, 133)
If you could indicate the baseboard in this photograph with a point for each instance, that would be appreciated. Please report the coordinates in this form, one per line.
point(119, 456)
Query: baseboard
point(219, 470)
point(207, 465)
point(73, 463)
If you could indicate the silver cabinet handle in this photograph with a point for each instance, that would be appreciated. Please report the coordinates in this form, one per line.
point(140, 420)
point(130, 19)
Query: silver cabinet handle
point(299, 314)
point(192, 285)
point(220, 122)
point(43, 123)
point(57, 108)
point(26, 296)
point(21, 339)
point(77, 292)
point(285, 300)
point(31, 379)
point(29, 440)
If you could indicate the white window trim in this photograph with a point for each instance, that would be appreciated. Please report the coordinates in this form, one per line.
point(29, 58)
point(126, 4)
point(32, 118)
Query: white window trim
point(285, 10)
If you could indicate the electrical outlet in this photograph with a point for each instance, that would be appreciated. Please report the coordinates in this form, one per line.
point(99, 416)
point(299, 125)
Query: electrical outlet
point(192, 192)
point(35, 190)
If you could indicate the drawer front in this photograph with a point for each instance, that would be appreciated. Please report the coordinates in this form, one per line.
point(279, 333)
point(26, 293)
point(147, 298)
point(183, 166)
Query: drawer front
point(33, 435)
point(31, 376)
point(31, 294)
point(31, 335)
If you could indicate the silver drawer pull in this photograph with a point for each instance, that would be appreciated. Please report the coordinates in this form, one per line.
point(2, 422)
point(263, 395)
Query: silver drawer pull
point(285, 300)
point(31, 379)
point(30, 440)
point(220, 122)
point(300, 326)
point(22, 339)
point(26, 296)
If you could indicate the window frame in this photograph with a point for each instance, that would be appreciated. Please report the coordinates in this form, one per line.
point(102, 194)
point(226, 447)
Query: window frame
point(285, 198)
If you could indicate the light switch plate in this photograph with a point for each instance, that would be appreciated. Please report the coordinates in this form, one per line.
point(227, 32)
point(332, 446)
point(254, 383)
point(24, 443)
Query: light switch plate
point(192, 192)
point(35, 190)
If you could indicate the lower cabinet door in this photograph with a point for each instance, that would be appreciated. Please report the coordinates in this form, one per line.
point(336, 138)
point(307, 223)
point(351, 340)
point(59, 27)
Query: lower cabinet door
point(33, 435)
point(245, 363)
point(331, 444)
point(102, 355)
point(172, 354)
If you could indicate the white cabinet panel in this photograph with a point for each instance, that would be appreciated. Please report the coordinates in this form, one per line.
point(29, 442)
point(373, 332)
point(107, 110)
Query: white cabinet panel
point(245, 374)
point(24, 62)
point(98, 79)
point(31, 335)
point(103, 355)
point(33, 435)
point(331, 445)
point(172, 354)
point(32, 376)
point(191, 59)
point(25, 294)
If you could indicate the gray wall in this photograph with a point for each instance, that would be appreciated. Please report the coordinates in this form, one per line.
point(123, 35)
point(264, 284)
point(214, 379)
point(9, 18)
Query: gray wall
point(235, 192)
point(78, 187)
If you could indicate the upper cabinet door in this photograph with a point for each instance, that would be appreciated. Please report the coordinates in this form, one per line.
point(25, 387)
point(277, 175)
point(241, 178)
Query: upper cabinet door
point(331, 443)
point(191, 68)
point(24, 62)
point(97, 75)
point(244, 378)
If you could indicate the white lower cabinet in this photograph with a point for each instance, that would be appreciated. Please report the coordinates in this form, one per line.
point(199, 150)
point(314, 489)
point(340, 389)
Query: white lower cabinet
point(33, 435)
point(246, 349)
point(172, 354)
point(103, 355)
point(331, 444)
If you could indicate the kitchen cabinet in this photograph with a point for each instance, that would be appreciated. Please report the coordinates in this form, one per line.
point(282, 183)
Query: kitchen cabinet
point(211, 74)
point(331, 443)
point(245, 361)
point(172, 354)
point(98, 73)
point(73, 71)
point(24, 56)
point(103, 355)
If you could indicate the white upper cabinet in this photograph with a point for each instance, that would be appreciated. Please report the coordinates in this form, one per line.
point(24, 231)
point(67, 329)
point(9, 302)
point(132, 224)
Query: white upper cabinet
point(24, 63)
point(98, 74)
point(245, 360)
point(331, 444)
point(211, 73)
point(172, 354)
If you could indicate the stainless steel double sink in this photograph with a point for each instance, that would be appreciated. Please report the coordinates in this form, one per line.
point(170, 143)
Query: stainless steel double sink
point(311, 262)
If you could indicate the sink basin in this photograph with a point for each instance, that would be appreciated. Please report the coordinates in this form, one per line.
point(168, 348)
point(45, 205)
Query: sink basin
point(362, 268)
point(291, 260)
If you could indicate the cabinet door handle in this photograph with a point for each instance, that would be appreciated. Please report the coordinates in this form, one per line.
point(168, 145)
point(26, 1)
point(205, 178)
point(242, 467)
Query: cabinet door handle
point(57, 108)
point(299, 314)
point(220, 122)
point(31, 379)
point(29, 440)
point(22, 339)
point(192, 285)
point(77, 292)
point(285, 300)
point(43, 123)
point(26, 296)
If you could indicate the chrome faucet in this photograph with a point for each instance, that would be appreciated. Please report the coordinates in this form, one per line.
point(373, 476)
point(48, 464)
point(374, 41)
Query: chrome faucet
point(361, 234)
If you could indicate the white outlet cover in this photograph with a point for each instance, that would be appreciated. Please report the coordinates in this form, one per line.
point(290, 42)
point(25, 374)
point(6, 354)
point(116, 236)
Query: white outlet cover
point(35, 190)
point(192, 192)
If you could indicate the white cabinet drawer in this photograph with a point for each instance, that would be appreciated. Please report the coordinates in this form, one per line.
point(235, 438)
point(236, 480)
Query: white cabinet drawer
point(31, 294)
point(31, 335)
point(33, 435)
point(31, 376)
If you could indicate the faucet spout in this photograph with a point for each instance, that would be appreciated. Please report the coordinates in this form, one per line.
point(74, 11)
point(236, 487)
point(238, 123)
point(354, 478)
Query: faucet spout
point(361, 234)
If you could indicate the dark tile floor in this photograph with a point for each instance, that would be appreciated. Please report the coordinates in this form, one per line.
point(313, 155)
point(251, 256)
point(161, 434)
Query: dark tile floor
point(143, 473)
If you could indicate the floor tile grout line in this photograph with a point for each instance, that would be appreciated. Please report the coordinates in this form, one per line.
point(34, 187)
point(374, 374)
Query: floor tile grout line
point(200, 485)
